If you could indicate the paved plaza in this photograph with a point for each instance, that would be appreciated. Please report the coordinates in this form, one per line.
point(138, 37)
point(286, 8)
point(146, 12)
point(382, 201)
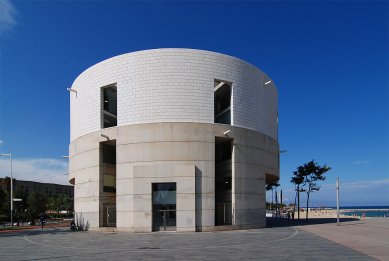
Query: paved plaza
point(368, 236)
point(275, 243)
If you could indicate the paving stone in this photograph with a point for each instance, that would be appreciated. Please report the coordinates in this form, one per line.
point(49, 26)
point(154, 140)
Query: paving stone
point(276, 243)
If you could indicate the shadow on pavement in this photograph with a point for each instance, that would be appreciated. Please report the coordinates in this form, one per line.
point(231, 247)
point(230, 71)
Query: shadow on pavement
point(32, 232)
point(283, 222)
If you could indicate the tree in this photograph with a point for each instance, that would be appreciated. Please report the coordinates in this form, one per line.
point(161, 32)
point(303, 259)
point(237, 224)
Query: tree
point(53, 204)
point(297, 180)
point(36, 206)
point(310, 173)
point(3, 204)
point(59, 203)
point(273, 187)
point(20, 207)
point(67, 203)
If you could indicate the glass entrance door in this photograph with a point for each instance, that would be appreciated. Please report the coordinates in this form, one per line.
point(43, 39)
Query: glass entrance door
point(109, 215)
point(223, 213)
point(164, 206)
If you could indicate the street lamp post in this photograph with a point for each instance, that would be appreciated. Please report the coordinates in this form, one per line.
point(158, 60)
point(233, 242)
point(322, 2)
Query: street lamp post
point(12, 200)
point(337, 201)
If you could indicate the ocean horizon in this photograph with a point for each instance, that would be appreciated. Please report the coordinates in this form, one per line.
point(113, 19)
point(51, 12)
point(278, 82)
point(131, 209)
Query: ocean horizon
point(352, 207)
point(363, 207)
point(363, 211)
point(366, 211)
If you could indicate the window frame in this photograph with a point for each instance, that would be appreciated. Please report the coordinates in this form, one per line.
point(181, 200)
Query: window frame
point(104, 112)
point(226, 110)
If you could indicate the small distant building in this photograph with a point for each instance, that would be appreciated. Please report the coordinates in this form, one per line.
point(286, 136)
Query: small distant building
point(46, 189)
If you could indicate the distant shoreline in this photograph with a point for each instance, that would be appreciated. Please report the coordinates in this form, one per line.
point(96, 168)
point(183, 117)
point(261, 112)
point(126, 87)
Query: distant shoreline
point(355, 207)
point(363, 209)
point(359, 213)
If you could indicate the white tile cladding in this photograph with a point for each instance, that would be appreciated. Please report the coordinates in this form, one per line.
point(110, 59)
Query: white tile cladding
point(173, 85)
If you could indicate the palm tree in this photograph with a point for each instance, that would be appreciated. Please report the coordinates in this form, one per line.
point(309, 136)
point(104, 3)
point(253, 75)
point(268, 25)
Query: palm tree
point(297, 181)
point(273, 187)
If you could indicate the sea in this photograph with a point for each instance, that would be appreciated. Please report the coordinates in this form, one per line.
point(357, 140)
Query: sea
point(366, 211)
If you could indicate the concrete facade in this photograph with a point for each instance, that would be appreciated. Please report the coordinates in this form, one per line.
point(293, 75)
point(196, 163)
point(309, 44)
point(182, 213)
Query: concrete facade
point(166, 133)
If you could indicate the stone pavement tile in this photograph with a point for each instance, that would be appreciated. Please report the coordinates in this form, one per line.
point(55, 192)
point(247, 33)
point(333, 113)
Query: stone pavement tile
point(285, 243)
point(369, 236)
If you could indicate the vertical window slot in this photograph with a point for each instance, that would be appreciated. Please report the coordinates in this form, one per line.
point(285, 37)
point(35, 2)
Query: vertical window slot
point(222, 102)
point(109, 106)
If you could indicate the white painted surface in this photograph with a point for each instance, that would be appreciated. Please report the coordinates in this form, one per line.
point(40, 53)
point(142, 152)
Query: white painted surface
point(173, 85)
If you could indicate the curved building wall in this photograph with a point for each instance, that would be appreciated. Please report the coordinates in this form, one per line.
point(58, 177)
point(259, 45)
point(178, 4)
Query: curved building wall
point(166, 133)
point(173, 152)
point(173, 85)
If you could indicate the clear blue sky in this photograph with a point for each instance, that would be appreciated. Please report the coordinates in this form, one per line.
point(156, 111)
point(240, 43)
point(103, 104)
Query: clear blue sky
point(328, 59)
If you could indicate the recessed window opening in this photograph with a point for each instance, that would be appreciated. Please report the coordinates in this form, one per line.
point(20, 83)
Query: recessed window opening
point(109, 152)
point(108, 183)
point(223, 181)
point(109, 166)
point(109, 106)
point(222, 102)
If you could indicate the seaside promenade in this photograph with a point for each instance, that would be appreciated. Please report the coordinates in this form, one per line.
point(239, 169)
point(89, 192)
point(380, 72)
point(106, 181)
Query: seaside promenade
point(368, 236)
point(318, 239)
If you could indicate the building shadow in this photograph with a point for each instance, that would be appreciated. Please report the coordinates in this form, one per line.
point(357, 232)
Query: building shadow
point(37, 231)
point(284, 222)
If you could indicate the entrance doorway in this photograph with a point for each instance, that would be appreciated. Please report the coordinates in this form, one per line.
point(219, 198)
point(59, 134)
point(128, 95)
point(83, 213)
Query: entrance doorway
point(164, 206)
point(109, 215)
point(224, 213)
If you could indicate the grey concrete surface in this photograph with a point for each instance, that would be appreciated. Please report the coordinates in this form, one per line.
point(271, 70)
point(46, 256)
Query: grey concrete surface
point(276, 243)
point(180, 152)
point(368, 236)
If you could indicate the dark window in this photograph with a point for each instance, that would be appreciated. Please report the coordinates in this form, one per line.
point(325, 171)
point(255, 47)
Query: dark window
point(109, 182)
point(222, 102)
point(223, 150)
point(223, 180)
point(109, 121)
point(108, 150)
point(223, 183)
point(109, 153)
point(110, 102)
point(109, 106)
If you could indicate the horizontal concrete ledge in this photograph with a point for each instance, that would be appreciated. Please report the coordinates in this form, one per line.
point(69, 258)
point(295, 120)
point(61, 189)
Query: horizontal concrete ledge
point(165, 141)
point(155, 162)
point(166, 123)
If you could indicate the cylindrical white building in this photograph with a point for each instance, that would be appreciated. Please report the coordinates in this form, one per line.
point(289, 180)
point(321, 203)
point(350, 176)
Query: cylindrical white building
point(172, 139)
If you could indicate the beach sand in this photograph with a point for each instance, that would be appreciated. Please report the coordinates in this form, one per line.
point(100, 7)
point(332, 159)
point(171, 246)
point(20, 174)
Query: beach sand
point(321, 214)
